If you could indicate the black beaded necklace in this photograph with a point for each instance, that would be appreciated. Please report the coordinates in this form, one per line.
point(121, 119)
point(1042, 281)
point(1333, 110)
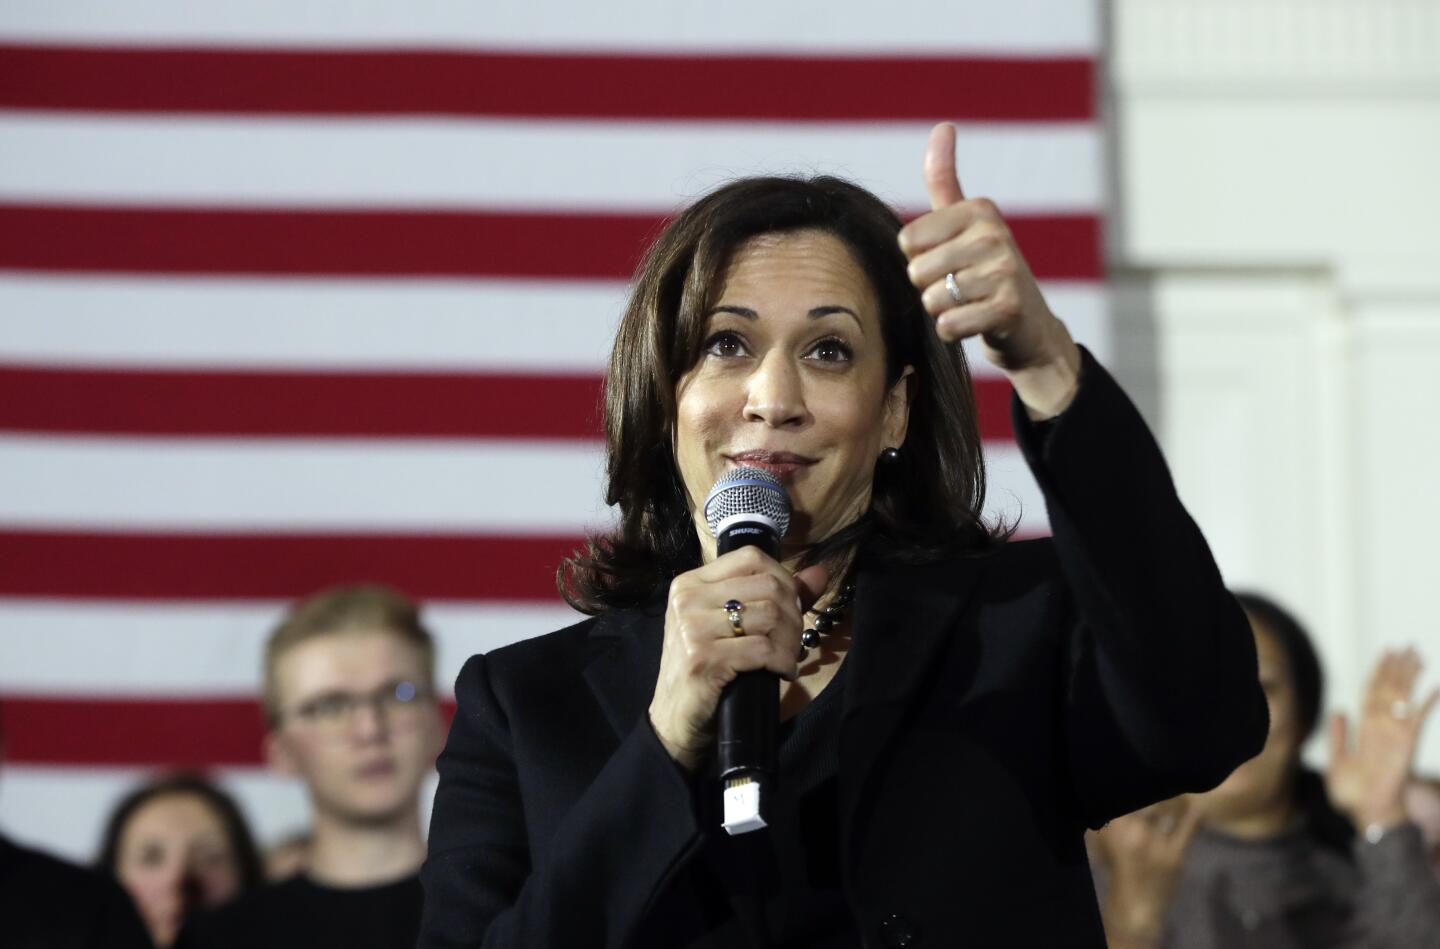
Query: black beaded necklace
point(828, 618)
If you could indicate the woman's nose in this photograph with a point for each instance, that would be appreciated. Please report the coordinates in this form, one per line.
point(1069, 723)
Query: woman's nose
point(775, 393)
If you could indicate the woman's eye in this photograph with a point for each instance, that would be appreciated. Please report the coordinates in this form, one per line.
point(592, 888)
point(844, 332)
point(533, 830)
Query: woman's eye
point(831, 350)
point(725, 345)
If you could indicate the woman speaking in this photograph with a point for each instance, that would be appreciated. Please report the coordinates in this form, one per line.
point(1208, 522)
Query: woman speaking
point(955, 710)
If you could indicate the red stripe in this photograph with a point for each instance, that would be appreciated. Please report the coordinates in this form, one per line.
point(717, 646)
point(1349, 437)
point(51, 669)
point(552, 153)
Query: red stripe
point(992, 408)
point(149, 732)
point(323, 243)
point(551, 85)
point(403, 243)
point(133, 565)
point(292, 404)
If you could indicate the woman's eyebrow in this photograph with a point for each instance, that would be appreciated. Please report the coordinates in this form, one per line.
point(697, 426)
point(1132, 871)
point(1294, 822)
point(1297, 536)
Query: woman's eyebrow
point(820, 311)
point(825, 311)
point(744, 311)
point(814, 313)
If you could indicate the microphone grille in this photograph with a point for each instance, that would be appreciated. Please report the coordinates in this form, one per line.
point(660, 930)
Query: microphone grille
point(748, 491)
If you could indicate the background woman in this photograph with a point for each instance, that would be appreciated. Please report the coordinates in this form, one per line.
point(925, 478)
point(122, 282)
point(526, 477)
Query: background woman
point(179, 844)
point(970, 706)
point(1272, 856)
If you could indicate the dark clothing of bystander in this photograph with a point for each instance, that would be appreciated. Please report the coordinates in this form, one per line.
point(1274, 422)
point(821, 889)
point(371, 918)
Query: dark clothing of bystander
point(302, 913)
point(46, 903)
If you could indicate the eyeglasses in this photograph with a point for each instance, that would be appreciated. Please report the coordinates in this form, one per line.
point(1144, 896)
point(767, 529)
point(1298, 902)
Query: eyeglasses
point(399, 701)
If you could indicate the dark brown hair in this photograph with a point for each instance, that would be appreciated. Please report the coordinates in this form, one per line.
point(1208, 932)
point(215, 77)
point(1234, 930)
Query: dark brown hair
point(923, 506)
point(237, 831)
point(1307, 681)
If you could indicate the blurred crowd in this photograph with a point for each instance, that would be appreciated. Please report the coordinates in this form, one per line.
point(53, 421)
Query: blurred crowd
point(1278, 855)
point(351, 710)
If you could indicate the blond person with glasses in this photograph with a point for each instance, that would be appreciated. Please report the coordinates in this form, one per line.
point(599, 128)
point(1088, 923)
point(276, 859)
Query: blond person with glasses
point(350, 703)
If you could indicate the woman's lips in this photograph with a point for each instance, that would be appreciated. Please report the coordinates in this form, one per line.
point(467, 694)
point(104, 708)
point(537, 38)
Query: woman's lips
point(782, 464)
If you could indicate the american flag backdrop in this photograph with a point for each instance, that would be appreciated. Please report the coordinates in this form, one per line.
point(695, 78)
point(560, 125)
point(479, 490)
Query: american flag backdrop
point(294, 294)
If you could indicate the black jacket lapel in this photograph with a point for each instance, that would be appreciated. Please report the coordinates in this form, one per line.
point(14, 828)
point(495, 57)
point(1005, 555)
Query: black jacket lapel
point(624, 664)
point(904, 617)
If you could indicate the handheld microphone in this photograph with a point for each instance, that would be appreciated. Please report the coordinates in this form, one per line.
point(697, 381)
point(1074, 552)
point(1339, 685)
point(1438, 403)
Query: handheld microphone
point(748, 507)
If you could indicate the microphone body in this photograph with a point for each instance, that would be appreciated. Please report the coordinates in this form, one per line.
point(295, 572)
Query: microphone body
point(748, 507)
point(749, 706)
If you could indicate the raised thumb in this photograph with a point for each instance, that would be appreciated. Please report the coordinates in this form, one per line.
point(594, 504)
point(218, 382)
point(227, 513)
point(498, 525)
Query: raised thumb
point(941, 180)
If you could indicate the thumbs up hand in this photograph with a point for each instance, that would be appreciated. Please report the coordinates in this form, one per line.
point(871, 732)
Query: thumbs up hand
point(973, 279)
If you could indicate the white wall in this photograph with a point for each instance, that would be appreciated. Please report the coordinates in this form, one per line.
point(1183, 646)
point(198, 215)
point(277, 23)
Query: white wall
point(1276, 244)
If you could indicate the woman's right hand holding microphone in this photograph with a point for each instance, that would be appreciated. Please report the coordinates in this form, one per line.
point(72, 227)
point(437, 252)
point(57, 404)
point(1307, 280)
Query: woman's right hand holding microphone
point(702, 653)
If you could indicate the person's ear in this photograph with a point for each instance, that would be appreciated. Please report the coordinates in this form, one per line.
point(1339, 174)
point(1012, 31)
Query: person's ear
point(896, 420)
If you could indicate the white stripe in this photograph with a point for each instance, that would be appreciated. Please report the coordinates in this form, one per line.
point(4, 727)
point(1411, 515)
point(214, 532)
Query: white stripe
point(63, 810)
point(99, 648)
point(300, 162)
point(358, 324)
point(322, 324)
point(934, 26)
point(193, 484)
point(1012, 494)
point(196, 484)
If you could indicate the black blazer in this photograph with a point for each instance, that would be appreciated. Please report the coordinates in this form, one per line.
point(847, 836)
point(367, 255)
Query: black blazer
point(993, 708)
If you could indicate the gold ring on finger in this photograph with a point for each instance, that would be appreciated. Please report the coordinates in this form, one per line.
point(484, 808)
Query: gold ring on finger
point(733, 610)
point(1399, 709)
point(953, 287)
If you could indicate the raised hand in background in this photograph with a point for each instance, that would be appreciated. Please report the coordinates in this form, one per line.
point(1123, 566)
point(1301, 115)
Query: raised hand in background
point(1370, 764)
point(1143, 853)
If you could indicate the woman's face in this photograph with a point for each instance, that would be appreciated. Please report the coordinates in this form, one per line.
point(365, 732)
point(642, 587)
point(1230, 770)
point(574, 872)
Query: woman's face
point(791, 378)
point(1267, 780)
point(173, 857)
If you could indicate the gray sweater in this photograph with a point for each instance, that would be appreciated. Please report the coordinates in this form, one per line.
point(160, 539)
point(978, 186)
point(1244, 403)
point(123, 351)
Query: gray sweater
point(1291, 892)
